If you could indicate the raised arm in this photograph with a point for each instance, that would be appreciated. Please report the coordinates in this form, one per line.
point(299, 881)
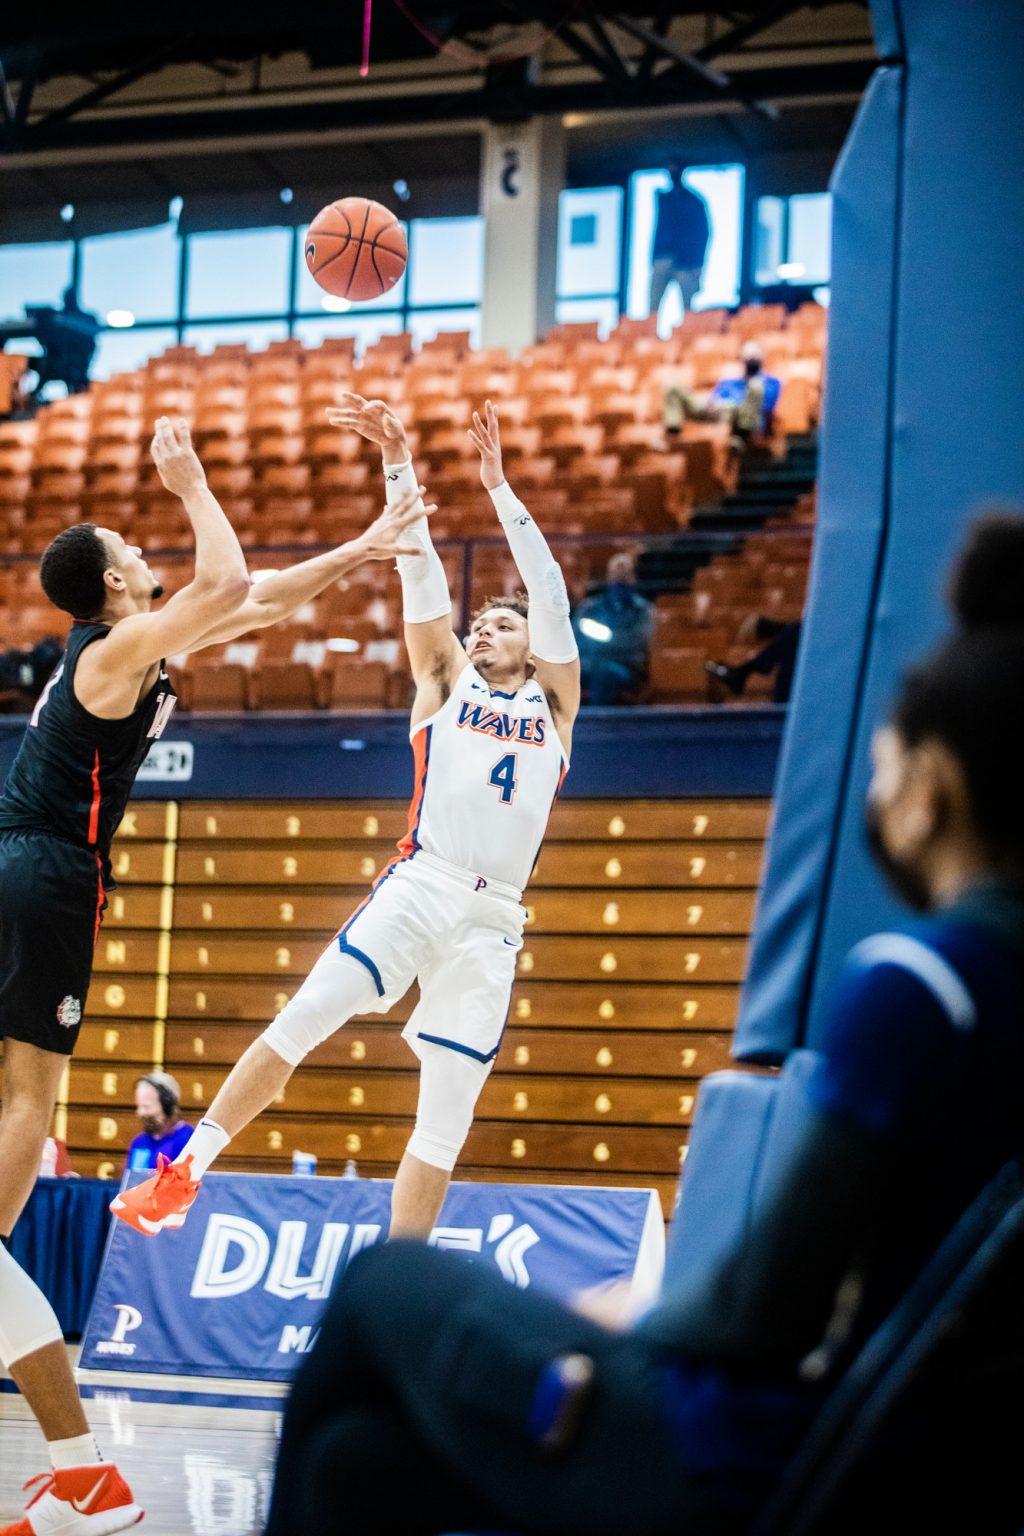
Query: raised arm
point(435, 655)
point(277, 597)
point(552, 642)
point(218, 587)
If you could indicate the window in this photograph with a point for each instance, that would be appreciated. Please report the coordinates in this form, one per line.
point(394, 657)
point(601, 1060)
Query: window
point(124, 351)
point(243, 273)
point(310, 297)
point(137, 272)
point(33, 274)
point(250, 333)
point(721, 187)
point(589, 242)
point(447, 261)
point(794, 239)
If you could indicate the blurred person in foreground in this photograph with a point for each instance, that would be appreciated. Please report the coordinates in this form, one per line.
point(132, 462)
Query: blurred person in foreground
point(613, 628)
point(440, 1398)
point(682, 234)
point(745, 402)
point(158, 1107)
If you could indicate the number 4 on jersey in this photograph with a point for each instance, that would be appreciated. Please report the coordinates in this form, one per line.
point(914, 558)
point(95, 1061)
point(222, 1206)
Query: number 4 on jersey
point(503, 777)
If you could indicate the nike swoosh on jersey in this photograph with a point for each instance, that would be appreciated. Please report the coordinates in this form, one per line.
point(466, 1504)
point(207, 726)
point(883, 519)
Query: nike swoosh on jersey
point(84, 1505)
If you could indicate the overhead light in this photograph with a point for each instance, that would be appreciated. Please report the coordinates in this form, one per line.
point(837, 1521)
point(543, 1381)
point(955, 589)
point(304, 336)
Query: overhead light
point(174, 208)
point(401, 190)
point(67, 213)
point(595, 631)
point(341, 644)
point(336, 305)
point(120, 319)
point(788, 269)
point(286, 194)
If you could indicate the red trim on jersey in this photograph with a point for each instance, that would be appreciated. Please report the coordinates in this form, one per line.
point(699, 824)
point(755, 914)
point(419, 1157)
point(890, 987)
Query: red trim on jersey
point(421, 762)
point(100, 893)
point(94, 809)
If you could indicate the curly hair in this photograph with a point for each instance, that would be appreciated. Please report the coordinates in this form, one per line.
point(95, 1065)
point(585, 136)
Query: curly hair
point(516, 602)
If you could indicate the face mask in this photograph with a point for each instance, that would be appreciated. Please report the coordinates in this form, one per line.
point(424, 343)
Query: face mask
point(157, 591)
point(752, 366)
point(902, 877)
point(152, 1125)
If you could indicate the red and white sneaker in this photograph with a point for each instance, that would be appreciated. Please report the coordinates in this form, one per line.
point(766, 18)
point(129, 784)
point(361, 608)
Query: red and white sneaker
point(81, 1501)
point(163, 1200)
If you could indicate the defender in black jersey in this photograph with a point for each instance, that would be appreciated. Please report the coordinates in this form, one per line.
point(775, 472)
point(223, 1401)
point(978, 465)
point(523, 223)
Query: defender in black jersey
point(107, 701)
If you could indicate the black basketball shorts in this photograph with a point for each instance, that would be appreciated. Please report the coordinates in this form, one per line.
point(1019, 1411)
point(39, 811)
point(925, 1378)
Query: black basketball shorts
point(51, 903)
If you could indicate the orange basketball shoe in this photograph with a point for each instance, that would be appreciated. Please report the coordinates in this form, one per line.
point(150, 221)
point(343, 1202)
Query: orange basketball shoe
point(163, 1200)
point(81, 1501)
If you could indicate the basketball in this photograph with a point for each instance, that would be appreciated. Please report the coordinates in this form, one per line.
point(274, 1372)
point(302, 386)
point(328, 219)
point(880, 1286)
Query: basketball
point(356, 248)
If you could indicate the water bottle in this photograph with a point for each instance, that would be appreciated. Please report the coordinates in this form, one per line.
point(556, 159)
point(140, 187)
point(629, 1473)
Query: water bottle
point(304, 1164)
point(351, 1170)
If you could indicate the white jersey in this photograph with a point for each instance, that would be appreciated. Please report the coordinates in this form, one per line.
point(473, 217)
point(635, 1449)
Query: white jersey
point(488, 770)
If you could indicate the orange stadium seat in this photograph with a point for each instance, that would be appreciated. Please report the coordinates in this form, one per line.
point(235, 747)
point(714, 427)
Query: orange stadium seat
point(284, 685)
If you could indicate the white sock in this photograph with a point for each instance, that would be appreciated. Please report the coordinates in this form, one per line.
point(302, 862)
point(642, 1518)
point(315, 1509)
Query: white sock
point(207, 1142)
point(79, 1451)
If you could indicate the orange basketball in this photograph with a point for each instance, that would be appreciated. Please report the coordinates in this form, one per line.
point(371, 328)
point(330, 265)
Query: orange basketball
point(356, 248)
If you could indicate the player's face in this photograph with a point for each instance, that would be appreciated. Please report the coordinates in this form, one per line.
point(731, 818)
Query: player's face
point(127, 560)
point(901, 815)
point(149, 1109)
point(499, 644)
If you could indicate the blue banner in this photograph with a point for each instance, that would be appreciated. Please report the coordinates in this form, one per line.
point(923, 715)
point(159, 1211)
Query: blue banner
point(238, 1291)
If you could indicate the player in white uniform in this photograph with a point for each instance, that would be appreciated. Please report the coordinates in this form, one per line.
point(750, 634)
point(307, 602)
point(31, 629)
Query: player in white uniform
point(491, 735)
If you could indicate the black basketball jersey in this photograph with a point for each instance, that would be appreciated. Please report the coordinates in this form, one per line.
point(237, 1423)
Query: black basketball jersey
point(74, 772)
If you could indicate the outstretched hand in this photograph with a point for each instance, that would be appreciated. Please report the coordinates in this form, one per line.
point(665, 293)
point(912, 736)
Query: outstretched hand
point(176, 461)
point(486, 438)
point(383, 539)
point(372, 419)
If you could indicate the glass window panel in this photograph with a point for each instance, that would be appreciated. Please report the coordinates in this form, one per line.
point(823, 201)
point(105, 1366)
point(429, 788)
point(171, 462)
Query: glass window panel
point(721, 187)
point(310, 297)
point(447, 261)
point(33, 274)
point(124, 351)
point(589, 239)
point(574, 311)
point(810, 237)
point(136, 271)
point(242, 273)
point(424, 324)
point(365, 328)
point(768, 246)
point(254, 333)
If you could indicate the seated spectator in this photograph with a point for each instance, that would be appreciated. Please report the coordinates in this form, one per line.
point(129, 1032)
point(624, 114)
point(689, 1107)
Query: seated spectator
point(24, 674)
point(157, 1104)
point(613, 629)
point(746, 403)
point(439, 1398)
point(778, 656)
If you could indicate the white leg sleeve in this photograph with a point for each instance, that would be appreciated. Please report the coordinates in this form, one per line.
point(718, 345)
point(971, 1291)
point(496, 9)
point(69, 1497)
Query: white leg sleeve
point(551, 633)
point(336, 988)
point(27, 1321)
point(425, 594)
point(450, 1085)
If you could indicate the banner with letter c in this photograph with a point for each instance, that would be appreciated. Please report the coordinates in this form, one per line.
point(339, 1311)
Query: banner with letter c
point(238, 1291)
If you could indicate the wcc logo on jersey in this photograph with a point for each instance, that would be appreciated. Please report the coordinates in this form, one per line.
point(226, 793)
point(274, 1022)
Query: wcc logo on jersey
point(527, 730)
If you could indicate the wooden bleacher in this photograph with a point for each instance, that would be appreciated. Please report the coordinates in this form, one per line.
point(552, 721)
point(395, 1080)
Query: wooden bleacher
point(626, 994)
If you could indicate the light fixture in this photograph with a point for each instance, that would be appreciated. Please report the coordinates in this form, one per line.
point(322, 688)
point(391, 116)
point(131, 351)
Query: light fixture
point(335, 303)
point(401, 190)
point(286, 194)
point(595, 631)
point(790, 269)
point(67, 213)
point(174, 208)
point(120, 319)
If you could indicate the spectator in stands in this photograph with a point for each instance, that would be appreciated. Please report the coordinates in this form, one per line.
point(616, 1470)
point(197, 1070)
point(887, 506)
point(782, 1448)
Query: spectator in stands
point(24, 674)
point(682, 231)
point(746, 403)
point(778, 656)
point(440, 1398)
point(158, 1106)
point(613, 629)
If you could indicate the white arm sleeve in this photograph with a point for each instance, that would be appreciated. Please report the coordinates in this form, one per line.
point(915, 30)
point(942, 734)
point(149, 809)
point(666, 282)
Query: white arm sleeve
point(425, 594)
point(551, 633)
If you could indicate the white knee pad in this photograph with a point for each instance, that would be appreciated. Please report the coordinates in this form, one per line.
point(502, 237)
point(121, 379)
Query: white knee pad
point(450, 1085)
point(27, 1321)
point(336, 988)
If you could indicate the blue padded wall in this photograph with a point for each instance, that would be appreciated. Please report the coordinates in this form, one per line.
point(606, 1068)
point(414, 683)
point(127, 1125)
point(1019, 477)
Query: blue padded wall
point(922, 425)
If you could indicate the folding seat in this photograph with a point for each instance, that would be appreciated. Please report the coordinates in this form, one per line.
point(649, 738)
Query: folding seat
point(456, 343)
point(117, 427)
point(390, 351)
point(378, 384)
point(539, 383)
point(607, 510)
point(342, 348)
point(231, 351)
point(277, 445)
point(61, 427)
point(282, 479)
point(594, 472)
point(353, 684)
point(531, 472)
point(319, 393)
point(632, 440)
point(424, 382)
point(550, 411)
point(629, 330)
point(227, 371)
point(274, 410)
point(447, 446)
point(177, 354)
point(478, 383)
point(569, 441)
point(219, 688)
point(215, 395)
point(612, 409)
point(290, 347)
point(607, 377)
point(275, 380)
point(285, 685)
point(18, 434)
point(327, 444)
point(232, 449)
point(678, 677)
point(520, 442)
point(435, 415)
point(167, 400)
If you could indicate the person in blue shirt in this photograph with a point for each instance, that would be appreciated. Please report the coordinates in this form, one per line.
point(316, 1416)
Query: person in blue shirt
point(157, 1104)
point(682, 233)
point(439, 1398)
point(747, 402)
point(613, 628)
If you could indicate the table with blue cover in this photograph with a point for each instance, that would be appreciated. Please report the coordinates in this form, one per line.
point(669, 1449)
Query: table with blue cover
point(59, 1240)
